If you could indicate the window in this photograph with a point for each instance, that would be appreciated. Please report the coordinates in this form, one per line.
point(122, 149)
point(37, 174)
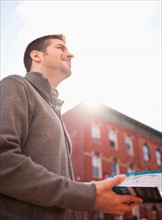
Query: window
point(114, 167)
point(146, 153)
point(113, 139)
point(96, 166)
point(95, 131)
point(98, 215)
point(158, 157)
point(129, 145)
point(130, 169)
point(154, 213)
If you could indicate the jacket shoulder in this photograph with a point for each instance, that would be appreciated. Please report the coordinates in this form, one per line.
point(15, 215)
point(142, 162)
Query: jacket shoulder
point(14, 77)
point(14, 80)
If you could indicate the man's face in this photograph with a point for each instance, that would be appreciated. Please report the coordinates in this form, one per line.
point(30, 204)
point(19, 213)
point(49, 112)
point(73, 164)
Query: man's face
point(57, 59)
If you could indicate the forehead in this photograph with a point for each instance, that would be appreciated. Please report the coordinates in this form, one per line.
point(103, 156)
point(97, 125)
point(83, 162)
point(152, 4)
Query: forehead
point(55, 42)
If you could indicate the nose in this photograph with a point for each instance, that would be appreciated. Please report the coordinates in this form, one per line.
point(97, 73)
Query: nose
point(70, 55)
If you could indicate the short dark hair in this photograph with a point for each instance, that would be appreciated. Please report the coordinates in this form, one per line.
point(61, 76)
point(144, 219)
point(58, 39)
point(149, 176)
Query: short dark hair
point(39, 44)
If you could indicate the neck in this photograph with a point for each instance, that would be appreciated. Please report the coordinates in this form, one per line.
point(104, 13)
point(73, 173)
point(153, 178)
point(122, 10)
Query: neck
point(52, 77)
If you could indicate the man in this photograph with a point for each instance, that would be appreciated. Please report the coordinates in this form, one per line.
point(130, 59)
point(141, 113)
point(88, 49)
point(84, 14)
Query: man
point(37, 181)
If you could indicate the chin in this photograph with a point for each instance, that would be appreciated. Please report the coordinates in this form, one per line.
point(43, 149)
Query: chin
point(65, 72)
point(67, 76)
point(68, 73)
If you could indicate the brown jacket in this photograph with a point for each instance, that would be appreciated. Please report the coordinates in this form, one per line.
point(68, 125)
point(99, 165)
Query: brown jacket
point(36, 174)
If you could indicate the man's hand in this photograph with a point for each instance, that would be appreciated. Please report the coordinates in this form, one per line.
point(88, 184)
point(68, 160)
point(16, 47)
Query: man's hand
point(108, 201)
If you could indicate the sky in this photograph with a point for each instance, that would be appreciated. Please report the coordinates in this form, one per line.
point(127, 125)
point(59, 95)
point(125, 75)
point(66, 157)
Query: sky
point(116, 44)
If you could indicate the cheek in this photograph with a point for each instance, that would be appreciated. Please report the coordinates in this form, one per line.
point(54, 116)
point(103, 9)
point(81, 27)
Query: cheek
point(52, 60)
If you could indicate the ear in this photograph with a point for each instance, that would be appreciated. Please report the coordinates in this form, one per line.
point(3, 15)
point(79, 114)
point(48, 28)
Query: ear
point(36, 56)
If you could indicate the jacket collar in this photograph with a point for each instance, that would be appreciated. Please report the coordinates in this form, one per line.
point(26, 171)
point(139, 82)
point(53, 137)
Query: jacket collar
point(41, 84)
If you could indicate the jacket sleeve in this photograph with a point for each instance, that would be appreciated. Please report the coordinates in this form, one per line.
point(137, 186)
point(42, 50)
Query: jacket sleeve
point(20, 177)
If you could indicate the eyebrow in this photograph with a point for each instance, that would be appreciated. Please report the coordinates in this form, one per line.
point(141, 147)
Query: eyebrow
point(62, 45)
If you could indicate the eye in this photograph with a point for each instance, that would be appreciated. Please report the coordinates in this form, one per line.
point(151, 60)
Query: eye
point(61, 48)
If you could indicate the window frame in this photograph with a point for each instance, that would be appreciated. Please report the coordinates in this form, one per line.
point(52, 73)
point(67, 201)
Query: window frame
point(146, 152)
point(129, 145)
point(96, 159)
point(95, 131)
point(158, 157)
point(113, 138)
point(116, 165)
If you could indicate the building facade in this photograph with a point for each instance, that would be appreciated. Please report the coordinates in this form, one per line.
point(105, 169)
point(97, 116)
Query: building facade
point(105, 142)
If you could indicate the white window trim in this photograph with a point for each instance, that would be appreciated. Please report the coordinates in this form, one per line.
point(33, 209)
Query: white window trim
point(158, 157)
point(113, 136)
point(95, 131)
point(116, 166)
point(146, 153)
point(99, 165)
point(128, 140)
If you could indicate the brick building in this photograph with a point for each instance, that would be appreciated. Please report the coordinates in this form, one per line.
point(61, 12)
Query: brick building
point(105, 142)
